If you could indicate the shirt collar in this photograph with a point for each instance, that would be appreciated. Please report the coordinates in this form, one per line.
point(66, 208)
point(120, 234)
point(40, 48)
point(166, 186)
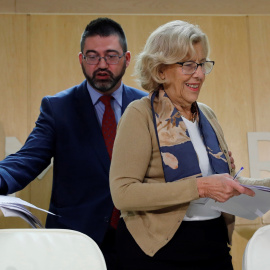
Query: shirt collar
point(95, 95)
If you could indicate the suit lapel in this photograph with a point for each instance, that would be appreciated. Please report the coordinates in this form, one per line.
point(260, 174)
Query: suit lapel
point(87, 114)
point(86, 111)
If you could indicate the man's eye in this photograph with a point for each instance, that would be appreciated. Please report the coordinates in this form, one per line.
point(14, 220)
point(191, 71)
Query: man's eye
point(112, 56)
point(91, 57)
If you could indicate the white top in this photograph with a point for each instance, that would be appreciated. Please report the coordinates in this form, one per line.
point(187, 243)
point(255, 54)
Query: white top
point(197, 210)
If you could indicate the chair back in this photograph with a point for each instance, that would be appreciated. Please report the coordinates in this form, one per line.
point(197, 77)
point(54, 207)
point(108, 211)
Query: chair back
point(50, 249)
point(257, 251)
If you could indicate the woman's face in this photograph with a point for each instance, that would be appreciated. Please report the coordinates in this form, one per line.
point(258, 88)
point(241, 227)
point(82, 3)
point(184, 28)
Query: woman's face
point(181, 88)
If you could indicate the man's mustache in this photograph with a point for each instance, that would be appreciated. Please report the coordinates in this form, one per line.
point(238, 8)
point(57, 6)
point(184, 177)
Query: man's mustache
point(103, 71)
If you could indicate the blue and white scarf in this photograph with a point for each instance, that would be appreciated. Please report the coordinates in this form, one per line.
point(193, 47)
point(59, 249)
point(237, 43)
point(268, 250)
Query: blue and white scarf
point(179, 157)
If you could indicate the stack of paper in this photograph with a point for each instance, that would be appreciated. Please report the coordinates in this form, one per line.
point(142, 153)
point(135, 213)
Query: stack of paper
point(245, 206)
point(15, 207)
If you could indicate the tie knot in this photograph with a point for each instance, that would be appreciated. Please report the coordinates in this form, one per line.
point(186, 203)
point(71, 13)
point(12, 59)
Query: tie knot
point(106, 100)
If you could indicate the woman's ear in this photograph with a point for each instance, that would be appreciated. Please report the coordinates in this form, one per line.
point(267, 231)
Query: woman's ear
point(161, 74)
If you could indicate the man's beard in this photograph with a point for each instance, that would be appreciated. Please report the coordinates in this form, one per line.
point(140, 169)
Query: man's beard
point(107, 84)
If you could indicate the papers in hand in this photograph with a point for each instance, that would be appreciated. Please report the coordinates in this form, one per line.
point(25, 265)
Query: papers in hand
point(245, 206)
point(15, 207)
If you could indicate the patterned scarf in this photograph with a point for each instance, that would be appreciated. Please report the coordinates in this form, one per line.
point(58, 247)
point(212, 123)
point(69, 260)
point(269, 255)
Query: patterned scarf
point(178, 154)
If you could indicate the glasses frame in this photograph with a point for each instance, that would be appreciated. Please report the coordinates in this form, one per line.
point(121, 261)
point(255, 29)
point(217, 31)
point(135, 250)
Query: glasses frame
point(105, 59)
point(201, 64)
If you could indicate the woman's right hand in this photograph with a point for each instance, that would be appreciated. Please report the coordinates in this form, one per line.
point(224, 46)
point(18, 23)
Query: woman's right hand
point(221, 187)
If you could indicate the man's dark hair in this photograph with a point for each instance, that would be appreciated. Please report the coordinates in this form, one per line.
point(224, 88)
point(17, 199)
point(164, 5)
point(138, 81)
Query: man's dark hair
point(104, 27)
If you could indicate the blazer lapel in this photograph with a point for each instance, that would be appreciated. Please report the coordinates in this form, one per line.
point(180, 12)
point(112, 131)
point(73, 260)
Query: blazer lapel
point(86, 110)
point(87, 114)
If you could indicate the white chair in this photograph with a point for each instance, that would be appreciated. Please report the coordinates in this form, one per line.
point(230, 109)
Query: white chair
point(257, 251)
point(50, 249)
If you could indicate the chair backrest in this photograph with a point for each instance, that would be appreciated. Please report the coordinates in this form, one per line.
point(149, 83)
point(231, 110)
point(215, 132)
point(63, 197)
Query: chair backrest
point(257, 251)
point(50, 249)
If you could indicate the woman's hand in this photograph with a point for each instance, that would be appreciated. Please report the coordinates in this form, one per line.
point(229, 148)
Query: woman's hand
point(221, 187)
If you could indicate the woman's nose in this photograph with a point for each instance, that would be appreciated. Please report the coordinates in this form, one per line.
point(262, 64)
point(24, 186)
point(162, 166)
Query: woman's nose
point(199, 72)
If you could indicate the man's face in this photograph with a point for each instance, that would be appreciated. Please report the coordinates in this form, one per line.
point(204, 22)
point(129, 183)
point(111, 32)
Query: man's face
point(105, 78)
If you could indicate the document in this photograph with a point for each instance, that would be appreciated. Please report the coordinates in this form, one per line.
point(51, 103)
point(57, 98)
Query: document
point(243, 205)
point(15, 207)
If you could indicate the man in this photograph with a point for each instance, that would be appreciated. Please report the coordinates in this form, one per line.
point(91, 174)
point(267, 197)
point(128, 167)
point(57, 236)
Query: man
point(69, 129)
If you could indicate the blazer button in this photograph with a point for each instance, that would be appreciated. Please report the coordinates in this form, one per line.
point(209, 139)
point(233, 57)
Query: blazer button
point(225, 151)
point(106, 219)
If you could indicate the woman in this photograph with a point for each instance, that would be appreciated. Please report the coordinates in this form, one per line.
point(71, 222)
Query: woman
point(169, 154)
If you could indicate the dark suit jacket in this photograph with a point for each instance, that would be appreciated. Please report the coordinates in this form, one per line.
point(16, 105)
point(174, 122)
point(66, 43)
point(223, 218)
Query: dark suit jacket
point(68, 130)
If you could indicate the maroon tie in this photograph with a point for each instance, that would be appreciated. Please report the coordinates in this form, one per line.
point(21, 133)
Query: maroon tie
point(109, 131)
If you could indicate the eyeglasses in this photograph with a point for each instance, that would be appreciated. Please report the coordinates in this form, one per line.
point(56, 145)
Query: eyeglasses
point(190, 67)
point(110, 59)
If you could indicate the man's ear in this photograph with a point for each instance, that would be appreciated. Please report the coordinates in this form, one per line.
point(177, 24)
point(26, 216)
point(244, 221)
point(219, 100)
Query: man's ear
point(80, 55)
point(128, 58)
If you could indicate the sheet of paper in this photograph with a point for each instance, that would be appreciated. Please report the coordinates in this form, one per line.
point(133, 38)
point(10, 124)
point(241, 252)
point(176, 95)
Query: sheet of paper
point(267, 189)
point(18, 201)
point(245, 206)
point(14, 213)
point(15, 207)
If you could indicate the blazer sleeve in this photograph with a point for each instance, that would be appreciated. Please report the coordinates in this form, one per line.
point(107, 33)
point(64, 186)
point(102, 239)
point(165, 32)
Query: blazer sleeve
point(19, 169)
